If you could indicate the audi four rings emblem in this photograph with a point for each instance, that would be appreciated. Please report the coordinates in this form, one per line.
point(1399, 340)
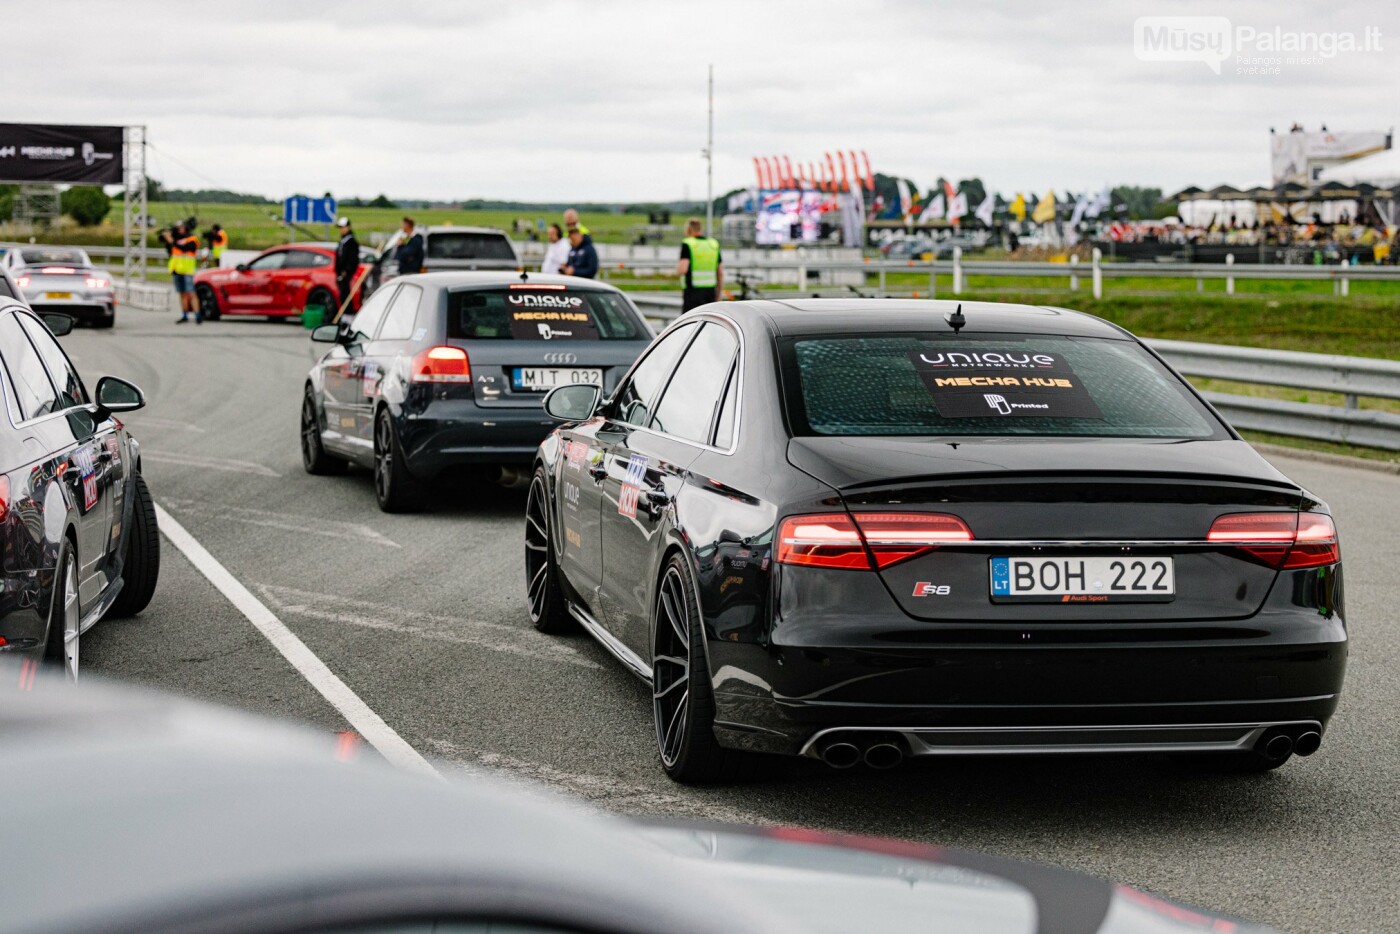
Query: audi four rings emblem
point(561, 358)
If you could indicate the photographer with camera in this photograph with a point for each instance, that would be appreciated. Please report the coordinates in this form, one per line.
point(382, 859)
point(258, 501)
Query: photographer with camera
point(183, 248)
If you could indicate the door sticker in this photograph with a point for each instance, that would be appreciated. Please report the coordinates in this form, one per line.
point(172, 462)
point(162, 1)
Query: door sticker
point(632, 485)
point(1010, 383)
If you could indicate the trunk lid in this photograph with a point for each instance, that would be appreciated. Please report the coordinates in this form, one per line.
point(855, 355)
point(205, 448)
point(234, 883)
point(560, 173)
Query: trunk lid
point(1067, 500)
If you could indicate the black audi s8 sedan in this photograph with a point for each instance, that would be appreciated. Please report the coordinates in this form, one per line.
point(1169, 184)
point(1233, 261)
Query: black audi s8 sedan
point(866, 530)
point(447, 370)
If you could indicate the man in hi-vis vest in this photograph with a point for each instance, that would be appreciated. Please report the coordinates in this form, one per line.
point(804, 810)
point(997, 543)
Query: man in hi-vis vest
point(183, 247)
point(700, 266)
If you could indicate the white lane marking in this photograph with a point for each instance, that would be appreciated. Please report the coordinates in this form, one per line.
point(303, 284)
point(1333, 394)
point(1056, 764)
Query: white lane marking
point(143, 421)
point(212, 463)
point(355, 711)
point(301, 525)
point(598, 790)
point(498, 637)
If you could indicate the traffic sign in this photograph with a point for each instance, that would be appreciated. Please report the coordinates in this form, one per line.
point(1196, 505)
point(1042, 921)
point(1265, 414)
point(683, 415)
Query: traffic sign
point(304, 210)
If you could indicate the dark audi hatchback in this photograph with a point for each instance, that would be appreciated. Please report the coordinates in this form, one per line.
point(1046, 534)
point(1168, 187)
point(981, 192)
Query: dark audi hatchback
point(861, 531)
point(448, 370)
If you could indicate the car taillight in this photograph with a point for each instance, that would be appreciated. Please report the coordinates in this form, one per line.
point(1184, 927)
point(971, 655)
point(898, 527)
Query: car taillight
point(4, 497)
point(441, 365)
point(57, 271)
point(840, 540)
point(95, 282)
point(22, 282)
point(1283, 540)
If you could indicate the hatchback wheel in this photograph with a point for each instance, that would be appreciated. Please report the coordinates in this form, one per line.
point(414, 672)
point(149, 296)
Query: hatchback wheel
point(682, 698)
point(314, 458)
point(64, 616)
point(544, 594)
point(394, 488)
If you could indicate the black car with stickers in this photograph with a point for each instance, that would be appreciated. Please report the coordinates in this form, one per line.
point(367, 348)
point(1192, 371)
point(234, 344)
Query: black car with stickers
point(77, 524)
point(868, 530)
point(448, 370)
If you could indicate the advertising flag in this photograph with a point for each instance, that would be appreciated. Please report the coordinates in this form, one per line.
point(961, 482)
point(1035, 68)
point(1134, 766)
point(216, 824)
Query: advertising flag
point(957, 207)
point(1018, 207)
point(1081, 205)
point(1100, 203)
point(869, 175)
point(1045, 210)
point(986, 209)
point(905, 202)
point(934, 211)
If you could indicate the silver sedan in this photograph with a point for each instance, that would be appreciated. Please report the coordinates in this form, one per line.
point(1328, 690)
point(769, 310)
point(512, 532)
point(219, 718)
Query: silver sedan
point(53, 278)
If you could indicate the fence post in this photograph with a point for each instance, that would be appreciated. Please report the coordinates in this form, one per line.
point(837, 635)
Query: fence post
point(1345, 286)
point(882, 281)
point(957, 270)
point(1098, 273)
point(802, 276)
point(1073, 279)
point(1229, 280)
point(932, 276)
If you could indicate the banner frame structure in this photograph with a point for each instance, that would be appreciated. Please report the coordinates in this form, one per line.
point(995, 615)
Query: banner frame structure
point(134, 247)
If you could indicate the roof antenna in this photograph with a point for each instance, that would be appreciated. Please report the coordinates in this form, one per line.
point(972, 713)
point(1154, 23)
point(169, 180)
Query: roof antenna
point(956, 320)
point(524, 274)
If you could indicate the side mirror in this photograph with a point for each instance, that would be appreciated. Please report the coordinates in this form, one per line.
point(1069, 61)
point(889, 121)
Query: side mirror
point(326, 334)
point(572, 403)
point(115, 394)
point(59, 323)
point(242, 267)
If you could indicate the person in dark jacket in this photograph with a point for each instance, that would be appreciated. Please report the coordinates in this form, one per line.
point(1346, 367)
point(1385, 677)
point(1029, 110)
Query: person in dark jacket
point(410, 253)
point(583, 259)
point(347, 259)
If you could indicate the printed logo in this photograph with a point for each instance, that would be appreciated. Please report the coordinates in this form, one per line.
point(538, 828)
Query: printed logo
point(561, 358)
point(573, 537)
point(533, 300)
point(636, 469)
point(1001, 576)
point(632, 485)
point(571, 494)
point(575, 453)
point(7, 152)
point(989, 360)
point(627, 502)
point(997, 402)
point(927, 589)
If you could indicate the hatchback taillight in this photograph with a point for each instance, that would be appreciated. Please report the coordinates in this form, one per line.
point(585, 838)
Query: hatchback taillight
point(853, 540)
point(96, 282)
point(441, 365)
point(22, 281)
point(1283, 540)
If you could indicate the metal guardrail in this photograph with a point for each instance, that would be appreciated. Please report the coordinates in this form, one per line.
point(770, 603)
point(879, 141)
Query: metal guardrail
point(1353, 377)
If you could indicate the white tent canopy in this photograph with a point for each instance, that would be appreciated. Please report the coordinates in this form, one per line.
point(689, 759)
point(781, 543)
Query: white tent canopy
point(1381, 169)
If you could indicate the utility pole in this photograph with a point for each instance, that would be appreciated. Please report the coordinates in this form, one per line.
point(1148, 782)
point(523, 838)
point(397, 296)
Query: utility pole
point(710, 162)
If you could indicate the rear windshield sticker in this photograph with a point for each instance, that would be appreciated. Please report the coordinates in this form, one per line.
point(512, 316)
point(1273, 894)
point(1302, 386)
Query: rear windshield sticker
point(1003, 383)
point(550, 316)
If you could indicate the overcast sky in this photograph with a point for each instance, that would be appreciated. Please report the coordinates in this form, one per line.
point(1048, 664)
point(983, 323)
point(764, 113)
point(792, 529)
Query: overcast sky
point(603, 101)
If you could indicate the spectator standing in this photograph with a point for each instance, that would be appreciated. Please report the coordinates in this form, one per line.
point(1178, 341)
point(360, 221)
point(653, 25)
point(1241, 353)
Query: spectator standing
point(556, 255)
point(183, 247)
point(218, 242)
point(410, 253)
point(583, 259)
point(347, 259)
point(700, 267)
point(571, 221)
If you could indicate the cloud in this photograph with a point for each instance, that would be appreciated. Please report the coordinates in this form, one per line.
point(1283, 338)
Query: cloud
point(605, 100)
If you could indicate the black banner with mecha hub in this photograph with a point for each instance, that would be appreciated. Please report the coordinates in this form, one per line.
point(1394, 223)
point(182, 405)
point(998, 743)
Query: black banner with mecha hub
point(85, 155)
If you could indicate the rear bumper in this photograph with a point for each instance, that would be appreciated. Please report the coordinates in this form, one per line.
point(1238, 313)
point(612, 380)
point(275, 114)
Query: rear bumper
point(456, 433)
point(86, 310)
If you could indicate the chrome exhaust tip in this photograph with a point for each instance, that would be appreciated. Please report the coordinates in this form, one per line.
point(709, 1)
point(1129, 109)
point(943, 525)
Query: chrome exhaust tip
point(840, 755)
point(884, 756)
point(1307, 743)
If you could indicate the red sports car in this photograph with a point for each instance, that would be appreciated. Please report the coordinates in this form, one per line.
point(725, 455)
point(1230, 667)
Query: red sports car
point(279, 283)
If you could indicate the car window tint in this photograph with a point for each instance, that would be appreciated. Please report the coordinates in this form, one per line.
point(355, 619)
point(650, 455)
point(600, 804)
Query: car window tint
point(269, 261)
point(34, 393)
point(687, 407)
point(371, 313)
point(305, 259)
point(65, 378)
point(39, 257)
point(544, 312)
point(1038, 385)
point(403, 312)
point(468, 246)
point(724, 430)
point(650, 375)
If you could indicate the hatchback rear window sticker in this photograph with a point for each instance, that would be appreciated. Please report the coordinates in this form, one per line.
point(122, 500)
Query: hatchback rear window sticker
point(550, 316)
point(1020, 383)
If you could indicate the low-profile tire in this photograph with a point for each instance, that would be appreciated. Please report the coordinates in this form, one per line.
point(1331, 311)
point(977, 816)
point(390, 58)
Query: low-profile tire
point(544, 592)
point(65, 614)
point(683, 704)
point(325, 299)
point(395, 488)
point(105, 322)
point(207, 302)
point(314, 458)
point(141, 566)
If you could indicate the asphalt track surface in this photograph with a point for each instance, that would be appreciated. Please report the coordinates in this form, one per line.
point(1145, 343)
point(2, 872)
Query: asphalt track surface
point(422, 617)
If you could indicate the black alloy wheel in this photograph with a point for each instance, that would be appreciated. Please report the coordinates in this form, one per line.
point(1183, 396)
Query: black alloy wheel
point(394, 489)
point(682, 698)
point(314, 458)
point(208, 302)
point(544, 595)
